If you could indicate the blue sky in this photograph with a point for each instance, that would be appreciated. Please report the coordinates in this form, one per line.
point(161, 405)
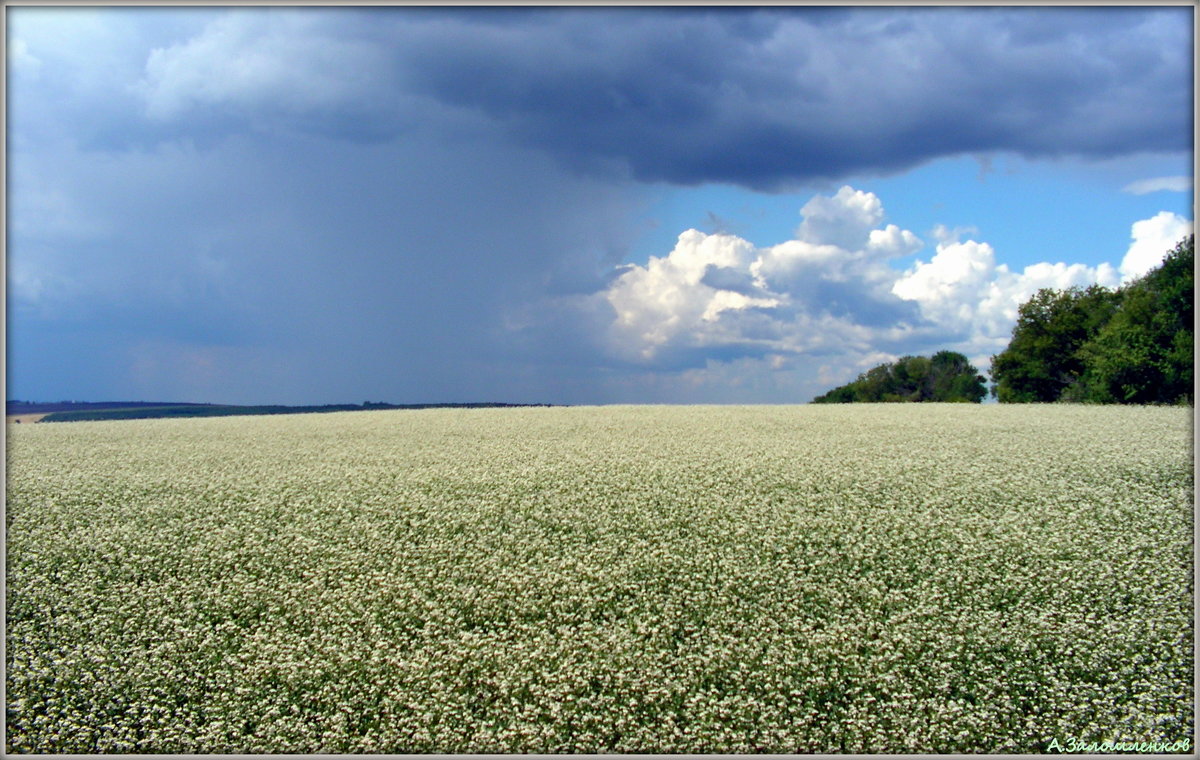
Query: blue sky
point(589, 205)
point(1017, 206)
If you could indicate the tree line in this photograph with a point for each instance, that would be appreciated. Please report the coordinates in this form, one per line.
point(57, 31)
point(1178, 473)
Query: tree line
point(1132, 345)
point(946, 376)
point(1129, 345)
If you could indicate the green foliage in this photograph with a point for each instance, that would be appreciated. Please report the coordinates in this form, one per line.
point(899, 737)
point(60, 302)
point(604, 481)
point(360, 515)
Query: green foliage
point(1145, 353)
point(1132, 345)
point(947, 376)
point(1043, 359)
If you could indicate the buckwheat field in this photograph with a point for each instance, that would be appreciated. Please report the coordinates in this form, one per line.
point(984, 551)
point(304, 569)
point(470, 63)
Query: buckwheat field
point(858, 578)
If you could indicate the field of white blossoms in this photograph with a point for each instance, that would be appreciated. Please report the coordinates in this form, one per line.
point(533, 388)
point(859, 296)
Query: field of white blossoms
point(883, 578)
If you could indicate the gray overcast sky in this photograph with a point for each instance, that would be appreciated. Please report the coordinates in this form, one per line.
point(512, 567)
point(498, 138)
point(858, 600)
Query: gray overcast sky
point(587, 205)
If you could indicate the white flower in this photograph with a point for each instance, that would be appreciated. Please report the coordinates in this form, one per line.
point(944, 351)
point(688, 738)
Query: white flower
point(918, 578)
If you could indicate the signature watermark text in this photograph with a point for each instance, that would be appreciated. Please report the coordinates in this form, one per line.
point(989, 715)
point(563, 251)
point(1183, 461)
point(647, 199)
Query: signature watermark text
point(1183, 746)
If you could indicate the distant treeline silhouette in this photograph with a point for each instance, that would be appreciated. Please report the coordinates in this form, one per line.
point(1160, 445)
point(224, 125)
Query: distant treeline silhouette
point(78, 411)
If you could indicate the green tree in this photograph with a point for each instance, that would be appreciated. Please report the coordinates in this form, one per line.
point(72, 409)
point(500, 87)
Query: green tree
point(1145, 352)
point(1043, 359)
point(948, 376)
point(913, 381)
point(954, 379)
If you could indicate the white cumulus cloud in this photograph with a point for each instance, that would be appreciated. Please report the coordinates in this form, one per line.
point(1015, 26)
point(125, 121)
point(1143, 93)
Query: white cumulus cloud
point(1152, 239)
point(953, 283)
point(830, 301)
point(844, 220)
point(963, 287)
point(825, 291)
point(669, 299)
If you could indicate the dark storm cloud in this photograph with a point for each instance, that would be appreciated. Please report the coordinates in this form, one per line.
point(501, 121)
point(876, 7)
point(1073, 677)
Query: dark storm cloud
point(293, 268)
point(766, 97)
point(385, 272)
point(759, 97)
